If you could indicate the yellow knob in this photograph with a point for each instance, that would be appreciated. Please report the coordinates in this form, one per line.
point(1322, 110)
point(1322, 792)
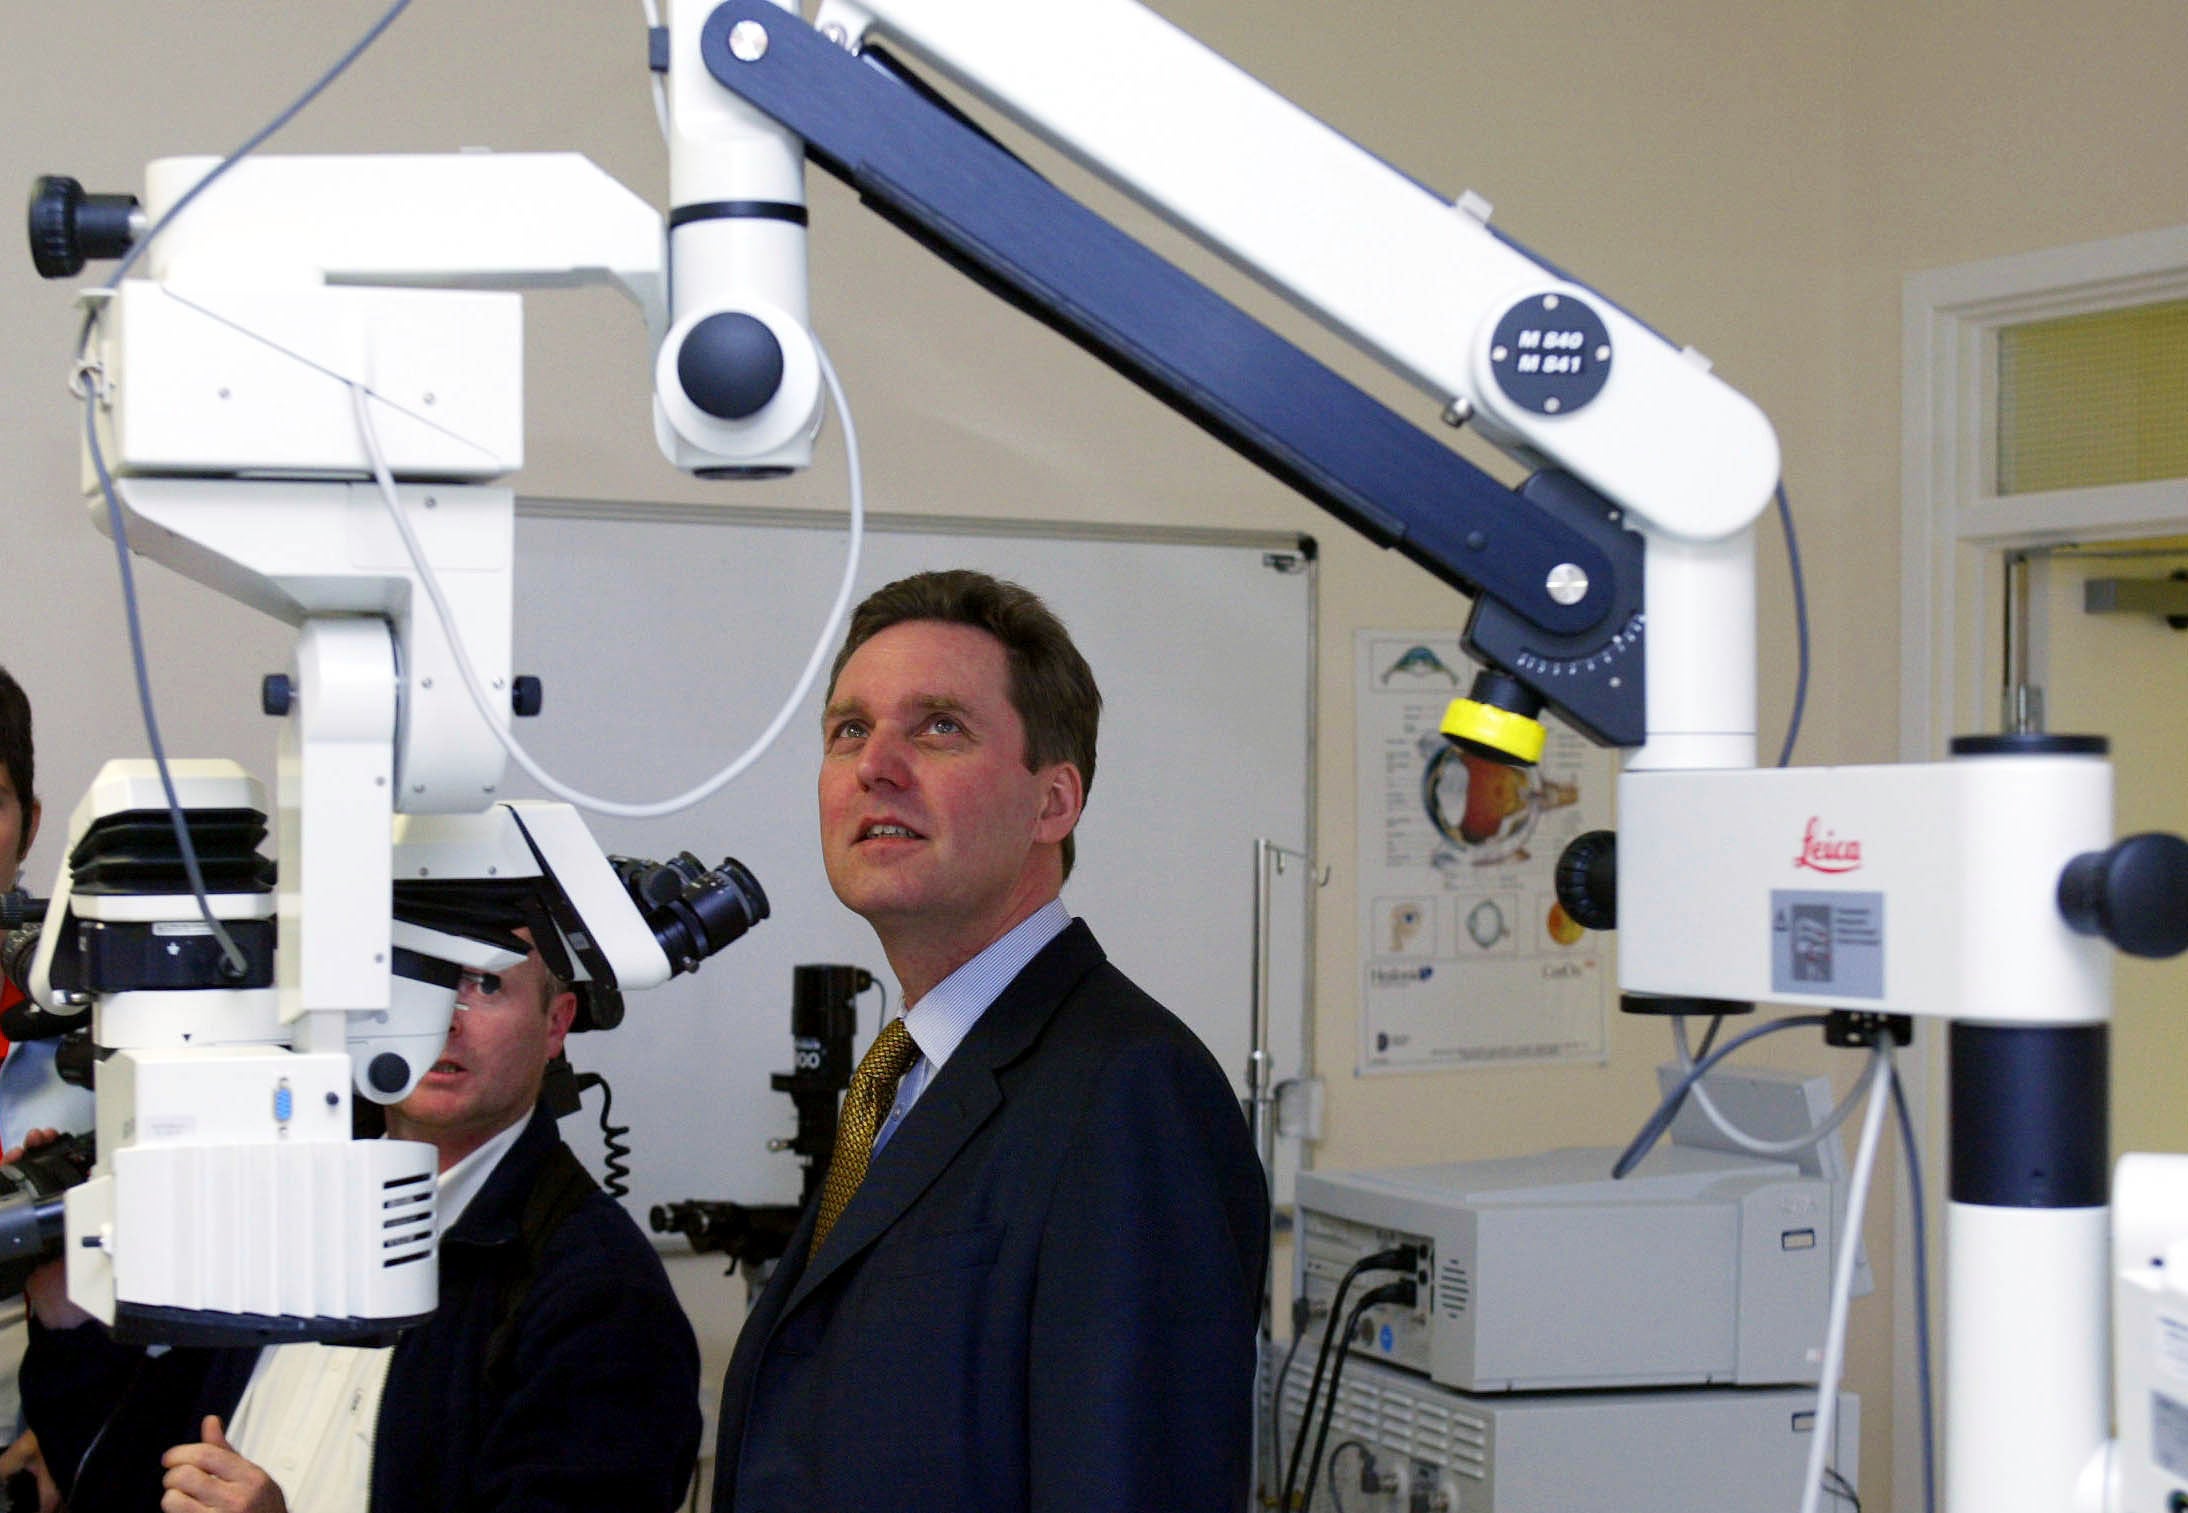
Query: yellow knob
point(1495, 732)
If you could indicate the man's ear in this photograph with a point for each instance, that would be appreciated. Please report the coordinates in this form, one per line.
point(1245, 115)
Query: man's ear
point(1063, 799)
point(31, 817)
point(561, 1009)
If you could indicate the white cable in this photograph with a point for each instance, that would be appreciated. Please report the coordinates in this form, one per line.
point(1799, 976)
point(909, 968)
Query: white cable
point(1755, 1144)
point(1879, 1082)
point(707, 789)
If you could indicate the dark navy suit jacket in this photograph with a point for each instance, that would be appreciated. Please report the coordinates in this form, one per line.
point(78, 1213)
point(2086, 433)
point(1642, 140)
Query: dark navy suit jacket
point(1045, 1294)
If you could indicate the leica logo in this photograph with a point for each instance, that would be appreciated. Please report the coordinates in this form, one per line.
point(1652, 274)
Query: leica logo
point(1822, 851)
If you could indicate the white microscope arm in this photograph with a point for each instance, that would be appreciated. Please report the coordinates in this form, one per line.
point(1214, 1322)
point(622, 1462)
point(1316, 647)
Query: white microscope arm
point(1967, 891)
point(1638, 441)
point(1419, 282)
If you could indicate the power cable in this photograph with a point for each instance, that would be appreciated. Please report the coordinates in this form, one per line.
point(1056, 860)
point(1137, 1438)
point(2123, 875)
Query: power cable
point(1403, 1293)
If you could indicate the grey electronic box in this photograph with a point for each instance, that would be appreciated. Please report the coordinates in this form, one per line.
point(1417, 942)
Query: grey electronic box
point(1540, 1273)
point(1399, 1444)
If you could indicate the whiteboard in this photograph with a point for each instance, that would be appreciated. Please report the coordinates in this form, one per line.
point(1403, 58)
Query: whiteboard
point(668, 637)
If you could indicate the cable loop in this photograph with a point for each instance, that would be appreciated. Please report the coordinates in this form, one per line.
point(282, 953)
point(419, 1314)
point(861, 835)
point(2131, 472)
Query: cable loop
point(87, 380)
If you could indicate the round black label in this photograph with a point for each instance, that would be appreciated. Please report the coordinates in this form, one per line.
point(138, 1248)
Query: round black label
point(1551, 354)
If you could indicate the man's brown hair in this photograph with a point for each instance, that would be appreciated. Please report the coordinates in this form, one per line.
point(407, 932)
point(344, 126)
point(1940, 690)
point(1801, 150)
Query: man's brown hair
point(1050, 685)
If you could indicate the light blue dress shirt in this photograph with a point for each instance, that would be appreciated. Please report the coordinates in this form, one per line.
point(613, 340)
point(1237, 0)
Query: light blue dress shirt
point(939, 1022)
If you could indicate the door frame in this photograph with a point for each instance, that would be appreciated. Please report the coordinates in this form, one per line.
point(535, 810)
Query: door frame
point(1956, 532)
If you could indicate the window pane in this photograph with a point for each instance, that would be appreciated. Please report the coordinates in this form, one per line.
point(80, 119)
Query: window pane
point(2093, 399)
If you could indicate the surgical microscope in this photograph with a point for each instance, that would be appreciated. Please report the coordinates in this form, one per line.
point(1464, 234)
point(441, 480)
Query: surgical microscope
point(1614, 587)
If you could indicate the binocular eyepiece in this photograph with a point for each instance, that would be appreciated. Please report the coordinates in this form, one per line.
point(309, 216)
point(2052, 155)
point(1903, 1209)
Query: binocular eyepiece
point(692, 910)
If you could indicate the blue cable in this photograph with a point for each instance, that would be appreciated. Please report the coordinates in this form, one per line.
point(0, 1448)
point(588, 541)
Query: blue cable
point(234, 962)
point(1800, 626)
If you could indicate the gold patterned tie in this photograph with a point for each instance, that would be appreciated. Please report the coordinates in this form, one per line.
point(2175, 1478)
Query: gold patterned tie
point(865, 1105)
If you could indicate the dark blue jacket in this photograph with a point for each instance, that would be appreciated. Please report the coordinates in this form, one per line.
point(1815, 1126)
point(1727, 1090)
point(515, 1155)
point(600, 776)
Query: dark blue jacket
point(597, 1406)
point(1045, 1294)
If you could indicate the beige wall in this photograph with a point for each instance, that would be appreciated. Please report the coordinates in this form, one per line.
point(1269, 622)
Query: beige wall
point(1979, 131)
point(1751, 178)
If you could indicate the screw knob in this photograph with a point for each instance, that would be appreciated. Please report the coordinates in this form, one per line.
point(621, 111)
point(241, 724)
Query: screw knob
point(1587, 880)
point(68, 226)
point(526, 694)
point(276, 694)
point(730, 364)
point(2134, 895)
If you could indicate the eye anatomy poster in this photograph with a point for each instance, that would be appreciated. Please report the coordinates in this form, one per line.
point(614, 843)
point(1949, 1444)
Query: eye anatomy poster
point(1469, 959)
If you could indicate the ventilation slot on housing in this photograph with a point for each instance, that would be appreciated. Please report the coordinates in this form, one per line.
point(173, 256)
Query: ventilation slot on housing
point(406, 1230)
point(1454, 1292)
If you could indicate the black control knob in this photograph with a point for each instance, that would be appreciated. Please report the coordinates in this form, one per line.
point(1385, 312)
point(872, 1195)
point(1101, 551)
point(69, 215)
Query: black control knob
point(276, 694)
point(730, 364)
point(526, 696)
point(1587, 880)
point(69, 227)
point(658, 886)
point(387, 1072)
point(2134, 895)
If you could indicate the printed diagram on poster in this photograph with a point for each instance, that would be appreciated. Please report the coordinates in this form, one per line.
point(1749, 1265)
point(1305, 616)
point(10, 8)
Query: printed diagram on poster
point(1469, 960)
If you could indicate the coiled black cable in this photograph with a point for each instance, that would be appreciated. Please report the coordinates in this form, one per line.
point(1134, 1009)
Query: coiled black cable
point(614, 1152)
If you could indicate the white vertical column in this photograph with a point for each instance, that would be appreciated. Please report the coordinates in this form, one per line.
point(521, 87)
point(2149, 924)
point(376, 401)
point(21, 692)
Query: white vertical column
point(337, 820)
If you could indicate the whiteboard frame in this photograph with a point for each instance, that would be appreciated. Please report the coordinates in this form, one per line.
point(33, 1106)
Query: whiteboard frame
point(581, 1130)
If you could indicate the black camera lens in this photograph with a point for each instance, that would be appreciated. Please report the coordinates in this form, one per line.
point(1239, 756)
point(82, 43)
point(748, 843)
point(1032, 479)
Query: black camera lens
point(18, 908)
point(31, 1214)
point(692, 911)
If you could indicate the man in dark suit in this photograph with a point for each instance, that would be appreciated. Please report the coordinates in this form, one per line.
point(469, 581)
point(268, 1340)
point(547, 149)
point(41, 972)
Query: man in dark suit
point(1040, 1290)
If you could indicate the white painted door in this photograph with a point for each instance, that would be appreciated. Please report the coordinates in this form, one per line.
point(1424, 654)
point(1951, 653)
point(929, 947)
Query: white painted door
point(2125, 676)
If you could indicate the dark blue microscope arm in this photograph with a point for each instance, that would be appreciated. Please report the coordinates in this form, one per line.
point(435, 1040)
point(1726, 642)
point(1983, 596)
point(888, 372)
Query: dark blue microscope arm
point(938, 177)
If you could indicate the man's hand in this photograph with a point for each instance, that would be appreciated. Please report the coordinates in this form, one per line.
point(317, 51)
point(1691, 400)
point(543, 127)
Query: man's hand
point(32, 1139)
point(46, 1291)
point(209, 1477)
point(22, 1459)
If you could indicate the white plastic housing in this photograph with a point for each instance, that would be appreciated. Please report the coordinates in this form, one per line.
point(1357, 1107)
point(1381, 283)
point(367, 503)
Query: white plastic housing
point(2025, 1365)
point(721, 150)
point(235, 352)
point(1957, 862)
point(501, 220)
point(2150, 1329)
point(295, 550)
point(128, 785)
point(206, 1199)
point(598, 895)
point(227, 379)
point(337, 793)
point(1699, 653)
